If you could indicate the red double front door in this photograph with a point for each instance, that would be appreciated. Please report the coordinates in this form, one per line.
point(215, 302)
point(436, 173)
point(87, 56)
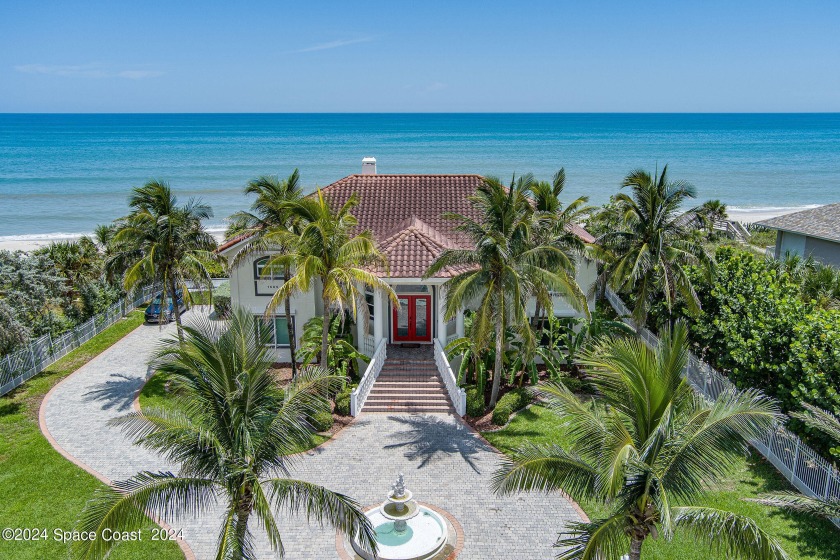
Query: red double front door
point(412, 321)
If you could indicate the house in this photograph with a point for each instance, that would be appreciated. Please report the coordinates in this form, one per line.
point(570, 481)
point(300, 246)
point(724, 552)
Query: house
point(814, 232)
point(404, 213)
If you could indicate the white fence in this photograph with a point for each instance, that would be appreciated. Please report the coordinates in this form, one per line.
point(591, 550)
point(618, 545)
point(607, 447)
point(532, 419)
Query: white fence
point(456, 394)
point(360, 394)
point(806, 470)
point(24, 364)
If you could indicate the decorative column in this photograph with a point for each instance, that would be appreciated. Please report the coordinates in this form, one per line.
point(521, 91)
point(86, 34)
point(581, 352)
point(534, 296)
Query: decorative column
point(380, 318)
point(441, 312)
point(459, 323)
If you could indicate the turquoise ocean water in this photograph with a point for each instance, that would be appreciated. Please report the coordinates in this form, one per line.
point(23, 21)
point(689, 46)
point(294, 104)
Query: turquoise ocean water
point(67, 173)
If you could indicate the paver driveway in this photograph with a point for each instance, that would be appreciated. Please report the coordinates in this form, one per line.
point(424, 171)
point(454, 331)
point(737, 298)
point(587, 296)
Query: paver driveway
point(444, 464)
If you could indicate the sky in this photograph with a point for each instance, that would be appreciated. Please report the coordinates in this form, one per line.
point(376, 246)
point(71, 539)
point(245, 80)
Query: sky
point(420, 56)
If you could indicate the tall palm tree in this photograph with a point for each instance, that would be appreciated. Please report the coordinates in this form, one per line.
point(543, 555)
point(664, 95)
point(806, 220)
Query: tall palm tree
point(648, 443)
point(649, 252)
point(828, 506)
point(329, 250)
point(232, 431)
point(163, 242)
point(271, 214)
point(508, 265)
point(556, 222)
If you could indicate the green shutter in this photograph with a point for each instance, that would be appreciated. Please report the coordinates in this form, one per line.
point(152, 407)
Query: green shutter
point(282, 330)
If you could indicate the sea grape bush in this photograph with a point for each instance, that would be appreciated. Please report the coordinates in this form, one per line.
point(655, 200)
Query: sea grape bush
point(756, 326)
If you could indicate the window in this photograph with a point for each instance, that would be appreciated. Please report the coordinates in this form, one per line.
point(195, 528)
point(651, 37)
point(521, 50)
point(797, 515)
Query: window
point(369, 295)
point(274, 330)
point(260, 269)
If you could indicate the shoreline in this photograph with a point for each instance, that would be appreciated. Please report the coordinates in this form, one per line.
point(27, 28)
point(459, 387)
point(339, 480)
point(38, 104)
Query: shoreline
point(31, 242)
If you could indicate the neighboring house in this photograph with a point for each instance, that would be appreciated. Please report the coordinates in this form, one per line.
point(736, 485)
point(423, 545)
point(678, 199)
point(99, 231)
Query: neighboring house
point(814, 232)
point(404, 213)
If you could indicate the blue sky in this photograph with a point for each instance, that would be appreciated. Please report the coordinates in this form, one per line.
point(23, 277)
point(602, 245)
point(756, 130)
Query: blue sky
point(331, 56)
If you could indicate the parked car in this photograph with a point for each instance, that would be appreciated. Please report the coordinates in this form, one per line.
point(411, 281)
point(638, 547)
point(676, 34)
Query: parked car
point(154, 309)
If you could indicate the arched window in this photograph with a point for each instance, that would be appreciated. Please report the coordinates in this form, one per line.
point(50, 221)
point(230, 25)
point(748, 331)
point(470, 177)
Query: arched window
point(261, 271)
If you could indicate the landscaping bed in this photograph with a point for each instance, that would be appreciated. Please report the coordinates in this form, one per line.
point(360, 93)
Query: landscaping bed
point(41, 489)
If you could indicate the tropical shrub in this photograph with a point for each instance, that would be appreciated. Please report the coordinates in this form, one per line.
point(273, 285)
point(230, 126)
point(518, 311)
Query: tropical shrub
point(763, 331)
point(510, 402)
point(321, 421)
point(341, 354)
point(342, 400)
point(475, 402)
point(221, 300)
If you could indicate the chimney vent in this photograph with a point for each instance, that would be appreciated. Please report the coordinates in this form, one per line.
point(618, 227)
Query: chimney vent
point(369, 166)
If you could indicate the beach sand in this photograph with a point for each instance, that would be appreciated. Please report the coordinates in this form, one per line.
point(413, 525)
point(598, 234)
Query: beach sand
point(32, 242)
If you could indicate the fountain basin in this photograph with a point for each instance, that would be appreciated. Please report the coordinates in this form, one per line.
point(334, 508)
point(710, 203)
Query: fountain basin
point(424, 536)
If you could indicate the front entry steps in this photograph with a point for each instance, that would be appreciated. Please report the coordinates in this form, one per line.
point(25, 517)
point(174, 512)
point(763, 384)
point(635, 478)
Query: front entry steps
point(409, 382)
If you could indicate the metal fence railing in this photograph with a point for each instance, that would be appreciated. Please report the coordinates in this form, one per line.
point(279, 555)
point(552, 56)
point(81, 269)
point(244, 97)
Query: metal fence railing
point(24, 364)
point(803, 467)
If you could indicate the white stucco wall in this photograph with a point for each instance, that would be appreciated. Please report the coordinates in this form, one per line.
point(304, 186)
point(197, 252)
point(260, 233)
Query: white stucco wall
point(243, 294)
point(586, 274)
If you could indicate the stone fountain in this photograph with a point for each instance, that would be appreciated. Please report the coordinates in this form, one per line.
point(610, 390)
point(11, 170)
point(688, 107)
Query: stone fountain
point(406, 530)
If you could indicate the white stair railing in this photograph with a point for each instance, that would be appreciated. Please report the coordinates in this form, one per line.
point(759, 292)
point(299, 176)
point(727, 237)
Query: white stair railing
point(456, 394)
point(360, 394)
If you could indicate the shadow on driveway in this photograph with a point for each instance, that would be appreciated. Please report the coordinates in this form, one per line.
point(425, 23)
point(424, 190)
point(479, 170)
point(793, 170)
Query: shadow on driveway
point(116, 393)
point(428, 437)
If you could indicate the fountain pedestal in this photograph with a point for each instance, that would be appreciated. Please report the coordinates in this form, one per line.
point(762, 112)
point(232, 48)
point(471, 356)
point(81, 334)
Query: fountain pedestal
point(406, 530)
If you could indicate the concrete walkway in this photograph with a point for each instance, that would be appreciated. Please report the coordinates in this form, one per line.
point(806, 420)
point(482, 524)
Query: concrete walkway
point(445, 464)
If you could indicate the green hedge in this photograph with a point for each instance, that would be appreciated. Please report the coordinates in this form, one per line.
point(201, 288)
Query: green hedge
point(321, 421)
point(342, 400)
point(475, 402)
point(510, 402)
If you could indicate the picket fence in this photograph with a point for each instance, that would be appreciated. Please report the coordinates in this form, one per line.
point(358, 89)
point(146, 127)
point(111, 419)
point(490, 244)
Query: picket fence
point(803, 467)
point(24, 364)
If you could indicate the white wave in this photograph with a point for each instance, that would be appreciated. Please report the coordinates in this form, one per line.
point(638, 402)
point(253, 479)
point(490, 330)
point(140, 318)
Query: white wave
point(766, 209)
point(57, 236)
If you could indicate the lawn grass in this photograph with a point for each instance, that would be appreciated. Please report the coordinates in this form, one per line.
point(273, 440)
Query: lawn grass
point(155, 394)
point(801, 536)
point(39, 488)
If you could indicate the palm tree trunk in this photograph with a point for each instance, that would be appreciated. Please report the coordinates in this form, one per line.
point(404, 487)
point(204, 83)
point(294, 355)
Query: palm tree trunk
point(290, 326)
point(325, 333)
point(500, 338)
point(636, 548)
point(243, 512)
point(174, 306)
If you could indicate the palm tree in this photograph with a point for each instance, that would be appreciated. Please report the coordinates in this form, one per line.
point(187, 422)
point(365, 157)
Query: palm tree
point(828, 506)
point(711, 212)
point(328, 249)
point(648, 443)
point(231, 431)
point(508, 265)
point(271, 214)
point(162, 242)
point(649, 252)
point(555, 223)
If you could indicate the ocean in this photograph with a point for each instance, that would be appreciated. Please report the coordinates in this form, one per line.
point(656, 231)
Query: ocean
point(65, 173)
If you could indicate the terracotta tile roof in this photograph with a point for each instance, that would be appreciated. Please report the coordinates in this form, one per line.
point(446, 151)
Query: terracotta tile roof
point(413, 247)
point(386, 201)
point(228, 243)
point(405, 215)
point(822, 222)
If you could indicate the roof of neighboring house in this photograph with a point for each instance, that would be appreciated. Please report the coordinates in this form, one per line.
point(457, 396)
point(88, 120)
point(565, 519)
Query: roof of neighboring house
point(822, 222)
point(405, 215)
